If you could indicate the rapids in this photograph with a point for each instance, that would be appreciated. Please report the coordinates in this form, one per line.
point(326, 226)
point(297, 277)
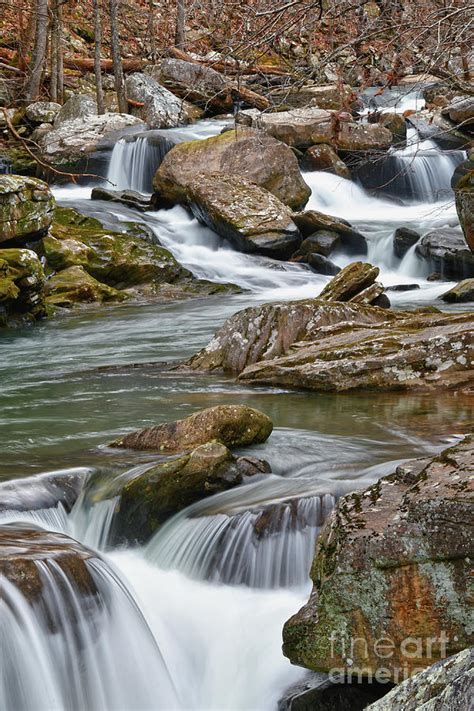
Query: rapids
point(195, 616)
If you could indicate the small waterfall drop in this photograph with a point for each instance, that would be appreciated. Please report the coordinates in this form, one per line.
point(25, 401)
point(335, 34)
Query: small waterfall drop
point(135, 160)
point(267, 548)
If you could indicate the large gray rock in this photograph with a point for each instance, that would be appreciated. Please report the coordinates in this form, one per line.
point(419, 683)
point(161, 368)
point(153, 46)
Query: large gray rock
point(26, 208)
point(42, 111)
point(460, 110)
point(196, 83)
point(391, 576)
point(79, 106)
point(448, 253)
point(243, 153)
point(448, 684)
point(403, 239)
point(161, 108)
point(304, 127)
point(72, 140)
point(249, 216)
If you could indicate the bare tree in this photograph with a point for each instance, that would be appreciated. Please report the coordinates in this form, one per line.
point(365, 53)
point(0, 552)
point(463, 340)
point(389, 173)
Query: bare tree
point(180, 36)
point(57, 58)
point(97, 52)
point(117, 56)
point(39, 50)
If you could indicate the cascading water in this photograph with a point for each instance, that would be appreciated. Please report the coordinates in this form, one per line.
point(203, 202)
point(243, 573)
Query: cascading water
point(135, 160)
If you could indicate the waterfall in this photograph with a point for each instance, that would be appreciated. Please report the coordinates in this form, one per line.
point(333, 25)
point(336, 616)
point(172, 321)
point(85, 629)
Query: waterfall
point(265, 548)
point(135, 160)
point(77, 651)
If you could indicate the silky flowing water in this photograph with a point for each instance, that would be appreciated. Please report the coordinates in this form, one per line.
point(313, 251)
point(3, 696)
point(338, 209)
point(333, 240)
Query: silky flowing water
point(195, 616)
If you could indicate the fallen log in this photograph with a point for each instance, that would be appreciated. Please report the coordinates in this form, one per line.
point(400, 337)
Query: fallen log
point(228, 66)
point(86, 64)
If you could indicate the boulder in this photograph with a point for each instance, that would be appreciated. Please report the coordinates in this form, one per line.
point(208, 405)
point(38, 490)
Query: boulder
point(447, 253)
point(21, 286)
point(460, 110)
point(249, 216)
point(74, 140)
point(350, 281)
point(321, 264)
point(114, 258)
point(324, 157)
point(74, 285)
point(301, 128)
point(403, 239)
point(444, 685)
point(391, 575)
point(130, 198)
point(316, 692)
point(464, 191)
point(335, 346)
point(244, 153)
point(43, 491)
point(42, 112)
point(152, 497)
point(231, 425)
point(161, 108)
point(461, 293)
point(78, 106)
point(196, 83)
point(320, 242)
point(325, 96)
point(26, 208)
point(395, 123)
point(311, 221)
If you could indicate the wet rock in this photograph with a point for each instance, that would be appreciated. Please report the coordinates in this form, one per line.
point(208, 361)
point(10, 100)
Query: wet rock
point(460, 110)
point(371, 295)
point(311, 221)
point(390, 574)
point(26, 208)
point(73, 140)
point(395, 123)
point(316, 692)
point(196, 83)
point(42, 112)
point(249, 216)
point(350, 282)
point(402, 287)
point(445, 685)
point(322, 265)
point(324, 157)
point(403, 239)
point(130, 198)
point(152, 497)
point(161, 108)
point(321, 242)
point(231, 425)
point(334, 346)
point(243, 153)
point(74, 285)
point(447, 252)
point(464, 191)
point(21, 287)
point(30, 557)
point(43, 491)
point(461, 293)
point(301, 128)
point(79, 106)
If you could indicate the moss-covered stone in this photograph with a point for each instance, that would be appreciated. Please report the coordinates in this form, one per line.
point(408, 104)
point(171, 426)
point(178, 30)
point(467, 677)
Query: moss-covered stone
point(21, 287)
point(232, 425)
point(26, 208)
point(74, 285)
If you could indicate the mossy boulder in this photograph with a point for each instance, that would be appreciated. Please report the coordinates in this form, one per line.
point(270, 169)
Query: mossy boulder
point(311, 221)
point(152, 497)
point(74, 285)
point(42, 111)
point(461, 293)
point(350, 282)
point(391, 574)
point(231, 425)
point(21, 287)
point(243, 153)
point(324, 157)
point(26, 208)
point(249, 216)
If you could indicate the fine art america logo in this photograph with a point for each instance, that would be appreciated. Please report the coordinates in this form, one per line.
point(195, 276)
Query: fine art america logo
point(386, 660)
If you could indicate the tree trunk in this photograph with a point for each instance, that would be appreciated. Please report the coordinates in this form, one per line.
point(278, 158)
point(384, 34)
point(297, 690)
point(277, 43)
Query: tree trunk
point(180, 39)
point(39, 50)
point(151, 30)
point(97, 50)
point(57, 63)
point(117, 57)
